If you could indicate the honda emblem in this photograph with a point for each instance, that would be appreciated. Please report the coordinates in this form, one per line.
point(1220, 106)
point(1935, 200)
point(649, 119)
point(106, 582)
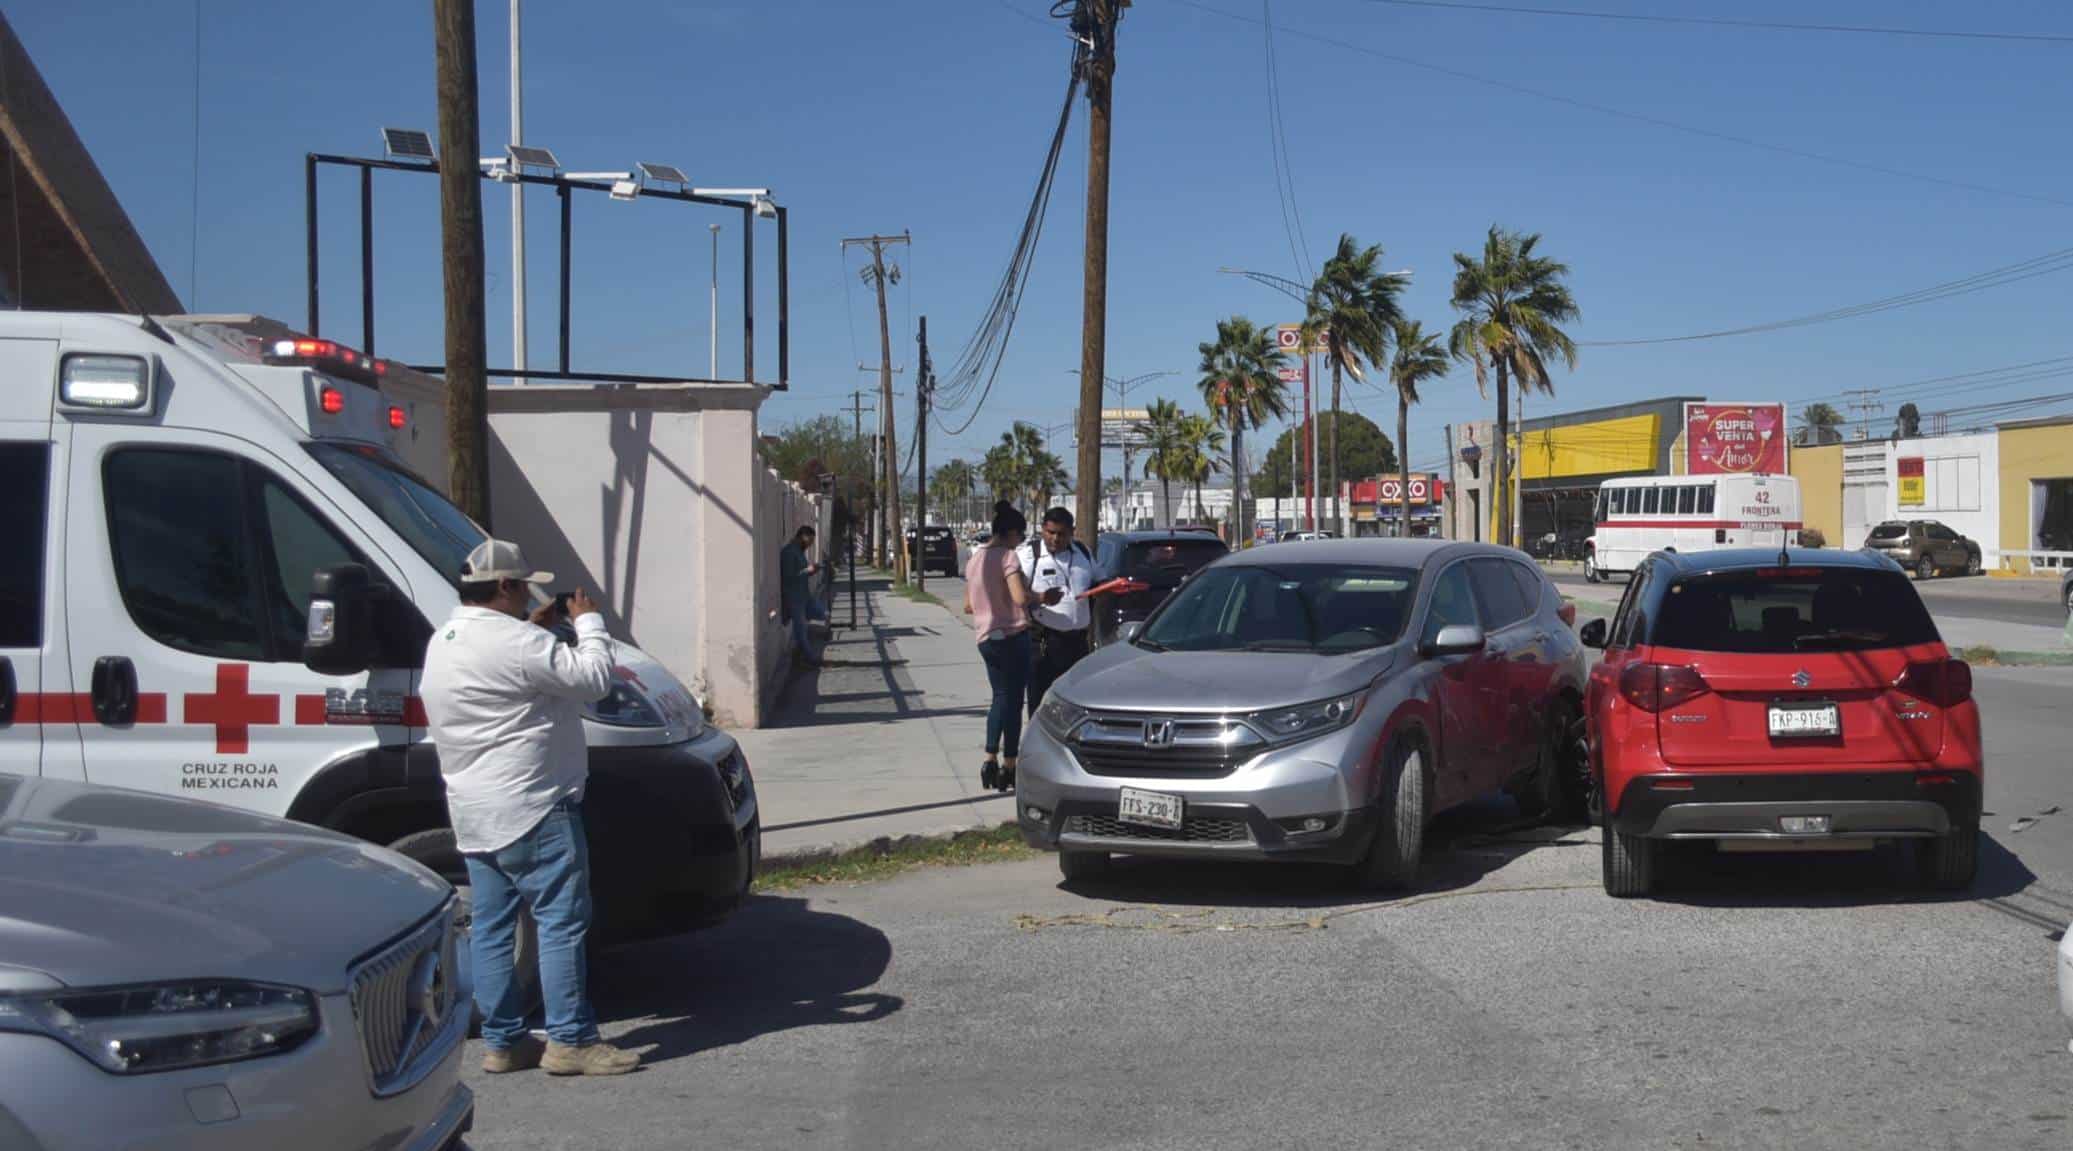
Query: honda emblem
point(1158, 733)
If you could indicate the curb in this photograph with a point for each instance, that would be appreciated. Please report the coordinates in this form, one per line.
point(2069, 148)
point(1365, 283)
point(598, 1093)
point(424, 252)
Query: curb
point(879, 848)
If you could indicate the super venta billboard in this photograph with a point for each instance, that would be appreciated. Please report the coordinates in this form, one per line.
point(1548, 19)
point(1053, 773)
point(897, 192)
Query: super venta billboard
point(1734, 439)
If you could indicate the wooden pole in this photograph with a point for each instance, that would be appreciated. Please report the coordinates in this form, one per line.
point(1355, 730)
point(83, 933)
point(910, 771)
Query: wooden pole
point(460, 228)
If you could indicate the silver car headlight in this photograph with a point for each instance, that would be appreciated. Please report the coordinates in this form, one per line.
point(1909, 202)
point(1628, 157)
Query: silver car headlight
point(1309, 719)
point(1060, 716)
point(139, 1029)
point(623, 706)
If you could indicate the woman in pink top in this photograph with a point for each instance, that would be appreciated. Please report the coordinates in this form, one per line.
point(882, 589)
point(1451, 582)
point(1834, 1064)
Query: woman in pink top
point(997, 598)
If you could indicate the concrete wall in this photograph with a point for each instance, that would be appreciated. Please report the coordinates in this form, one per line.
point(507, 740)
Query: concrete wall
point(1819, 471)
point(652, 496)
point(782, 508)
point(2028, 453)
point(1961, 488)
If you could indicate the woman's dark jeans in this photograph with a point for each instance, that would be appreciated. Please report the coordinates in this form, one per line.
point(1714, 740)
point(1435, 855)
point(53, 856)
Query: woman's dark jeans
point(1007, 669)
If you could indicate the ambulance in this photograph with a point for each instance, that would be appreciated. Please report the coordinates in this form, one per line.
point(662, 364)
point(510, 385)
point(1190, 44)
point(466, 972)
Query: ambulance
point(220, 583)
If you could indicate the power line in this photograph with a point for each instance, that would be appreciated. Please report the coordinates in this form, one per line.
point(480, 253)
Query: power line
point(1284, 168)
point(1728, 22)
point(2043, 265)
point(1638, 117)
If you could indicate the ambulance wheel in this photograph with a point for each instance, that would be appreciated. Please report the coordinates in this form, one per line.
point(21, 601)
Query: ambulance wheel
point(1590, 572)
point(435, 849)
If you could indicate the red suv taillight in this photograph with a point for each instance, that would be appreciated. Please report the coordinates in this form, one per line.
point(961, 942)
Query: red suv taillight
point(1654, 687)
point(1943, 682)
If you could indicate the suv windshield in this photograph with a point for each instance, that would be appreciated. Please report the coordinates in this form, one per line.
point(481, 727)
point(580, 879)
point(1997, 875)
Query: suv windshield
point(1772, 610)
point(1889, 531)
point(1289, 607)
point(1164, 563)
point(427, 521)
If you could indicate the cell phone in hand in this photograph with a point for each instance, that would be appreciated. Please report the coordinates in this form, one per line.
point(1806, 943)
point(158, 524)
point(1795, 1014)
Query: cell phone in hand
point(561, 604)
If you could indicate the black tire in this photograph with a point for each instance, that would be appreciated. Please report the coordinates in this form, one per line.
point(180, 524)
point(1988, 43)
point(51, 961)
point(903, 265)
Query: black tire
point(1630, 863)
point(1563, 783)
point(1925, 568)
point(435, 849)
point(1590, 572)
point(1948, 862)
point(1972, 564)
point(1081, 866)
point(1391, 863)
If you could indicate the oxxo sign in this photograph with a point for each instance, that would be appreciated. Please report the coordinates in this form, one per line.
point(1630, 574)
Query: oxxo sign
point(1392, 491)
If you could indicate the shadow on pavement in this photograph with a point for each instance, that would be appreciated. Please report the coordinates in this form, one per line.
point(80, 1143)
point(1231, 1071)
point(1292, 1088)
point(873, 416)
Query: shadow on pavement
point(1702, 877)
point(775, 965)
point(1462, 846)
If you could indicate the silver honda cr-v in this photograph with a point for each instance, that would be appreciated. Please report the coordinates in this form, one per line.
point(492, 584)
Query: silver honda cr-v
point(1314, 701)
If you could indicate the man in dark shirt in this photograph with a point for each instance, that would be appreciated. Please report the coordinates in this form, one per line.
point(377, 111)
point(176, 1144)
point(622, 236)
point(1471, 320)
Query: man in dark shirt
point(796, 569)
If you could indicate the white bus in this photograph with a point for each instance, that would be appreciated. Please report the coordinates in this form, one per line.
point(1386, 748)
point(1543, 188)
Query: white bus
point(1635, 517)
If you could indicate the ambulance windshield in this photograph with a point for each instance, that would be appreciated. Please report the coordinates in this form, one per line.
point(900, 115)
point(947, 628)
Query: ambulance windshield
point(434, 528)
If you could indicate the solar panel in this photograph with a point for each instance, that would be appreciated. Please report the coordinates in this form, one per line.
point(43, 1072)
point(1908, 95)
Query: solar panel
point(407, 144)
point(663, 173)
point(526, 156)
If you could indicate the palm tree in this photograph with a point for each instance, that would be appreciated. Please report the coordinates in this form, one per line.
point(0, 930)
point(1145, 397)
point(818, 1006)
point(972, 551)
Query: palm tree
point(952, 484)
point(1202, 441)
point(1243, 390)
point(1046, 475)
point(1162, 432)
point(1418, 358)
point(1000, 471)
point(1820, 423)
point(1512, 303)
point(1352, 309)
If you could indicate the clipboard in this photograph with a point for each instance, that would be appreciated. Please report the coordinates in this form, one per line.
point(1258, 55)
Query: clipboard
point(1121, 585)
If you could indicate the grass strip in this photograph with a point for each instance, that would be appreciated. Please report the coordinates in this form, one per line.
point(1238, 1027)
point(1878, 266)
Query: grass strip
point(887, 856)
point(1983, 655)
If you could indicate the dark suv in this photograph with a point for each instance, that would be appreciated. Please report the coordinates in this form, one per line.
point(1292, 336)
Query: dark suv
point(1924, 547)
point(938, 550)
point(1158, 559)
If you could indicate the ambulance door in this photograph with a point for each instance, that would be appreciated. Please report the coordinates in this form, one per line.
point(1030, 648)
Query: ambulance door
point(31, 620)
point(189, 592)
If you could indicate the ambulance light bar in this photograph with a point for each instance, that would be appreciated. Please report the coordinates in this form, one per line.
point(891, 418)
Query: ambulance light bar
point(105, 383)
point(329, 357)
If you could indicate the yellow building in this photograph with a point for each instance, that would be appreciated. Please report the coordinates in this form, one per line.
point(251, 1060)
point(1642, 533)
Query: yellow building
point(2036, 492)
point(1819, 471)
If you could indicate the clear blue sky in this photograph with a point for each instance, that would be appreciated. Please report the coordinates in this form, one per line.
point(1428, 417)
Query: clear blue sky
point(931, 115)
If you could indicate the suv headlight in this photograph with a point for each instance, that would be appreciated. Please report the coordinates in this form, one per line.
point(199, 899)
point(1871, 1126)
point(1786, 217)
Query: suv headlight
point(624, 707)
point(1060, 716)
point(143, 1028)
point(1309, 719)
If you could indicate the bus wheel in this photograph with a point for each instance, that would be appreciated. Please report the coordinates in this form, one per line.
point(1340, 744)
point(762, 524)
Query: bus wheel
point(1590, 572)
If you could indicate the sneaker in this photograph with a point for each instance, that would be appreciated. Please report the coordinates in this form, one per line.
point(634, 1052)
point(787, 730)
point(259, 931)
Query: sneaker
point(594, 1058)
point(524, 1055)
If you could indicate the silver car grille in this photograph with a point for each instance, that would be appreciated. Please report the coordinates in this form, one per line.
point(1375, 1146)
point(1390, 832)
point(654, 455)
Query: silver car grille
point(1193, 829)
point(406, 1003)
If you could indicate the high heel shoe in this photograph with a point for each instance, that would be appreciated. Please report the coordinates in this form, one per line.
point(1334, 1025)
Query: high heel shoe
point(1007, 777)
point(990, 776)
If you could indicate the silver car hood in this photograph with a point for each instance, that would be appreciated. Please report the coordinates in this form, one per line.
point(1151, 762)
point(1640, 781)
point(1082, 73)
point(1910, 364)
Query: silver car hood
point(1133, 679)
point(104, 886)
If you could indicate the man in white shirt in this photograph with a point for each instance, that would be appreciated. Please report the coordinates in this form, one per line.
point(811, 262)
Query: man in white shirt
point(1059, 572)
point(505, 699)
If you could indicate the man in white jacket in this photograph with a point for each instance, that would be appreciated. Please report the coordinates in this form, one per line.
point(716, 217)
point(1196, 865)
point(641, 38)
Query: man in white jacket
point(505, 698)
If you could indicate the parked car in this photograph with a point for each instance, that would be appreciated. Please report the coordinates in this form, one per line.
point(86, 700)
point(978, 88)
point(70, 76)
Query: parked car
point(1160, 560)
point(1924, 547)
point(938, 552)
point(179, 974)
point(2066, 978)
point(1764, 707)
point(1316, 703)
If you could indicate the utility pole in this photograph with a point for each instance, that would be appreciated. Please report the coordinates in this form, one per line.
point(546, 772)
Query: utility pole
point(1094, 24)
point(518, 300)
point(460, 230)
point(1866, 403)
point(891, 549)
point(924, 391)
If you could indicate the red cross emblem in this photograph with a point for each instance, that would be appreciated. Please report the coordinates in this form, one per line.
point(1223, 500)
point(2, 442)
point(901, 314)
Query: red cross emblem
point(232, 709)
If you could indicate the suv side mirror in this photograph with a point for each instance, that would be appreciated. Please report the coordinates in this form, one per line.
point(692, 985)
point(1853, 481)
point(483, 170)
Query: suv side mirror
point(1592, 634)
point(1128, 632)
point(1455, 639)
point(339, 639)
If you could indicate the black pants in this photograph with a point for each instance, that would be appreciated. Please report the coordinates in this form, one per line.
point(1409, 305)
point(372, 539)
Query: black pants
point(1056, 652)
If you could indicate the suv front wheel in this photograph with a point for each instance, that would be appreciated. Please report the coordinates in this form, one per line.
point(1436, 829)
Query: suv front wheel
point(1391, 863)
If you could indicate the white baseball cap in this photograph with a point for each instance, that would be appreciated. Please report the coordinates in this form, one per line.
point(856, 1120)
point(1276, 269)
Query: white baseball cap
point(500, 560)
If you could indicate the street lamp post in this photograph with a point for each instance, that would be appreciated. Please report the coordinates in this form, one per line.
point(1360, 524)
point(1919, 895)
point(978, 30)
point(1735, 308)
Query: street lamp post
point(1122, 389)
point(712, 371)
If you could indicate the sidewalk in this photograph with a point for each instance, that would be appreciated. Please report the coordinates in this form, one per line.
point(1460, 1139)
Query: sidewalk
point(885, 739)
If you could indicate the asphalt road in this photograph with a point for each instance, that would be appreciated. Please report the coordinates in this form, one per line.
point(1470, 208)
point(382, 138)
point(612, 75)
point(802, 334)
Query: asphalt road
point(1762, 1001)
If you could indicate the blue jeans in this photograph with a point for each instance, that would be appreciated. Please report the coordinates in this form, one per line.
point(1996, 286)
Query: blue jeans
point(548, 871)
point(1007, 670)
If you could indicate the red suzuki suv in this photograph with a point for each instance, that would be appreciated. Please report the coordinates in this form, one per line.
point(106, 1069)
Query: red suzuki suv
point(1775, 701)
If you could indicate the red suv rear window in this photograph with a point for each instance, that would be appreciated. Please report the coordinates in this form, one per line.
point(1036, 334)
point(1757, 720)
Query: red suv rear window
point(1792, 610)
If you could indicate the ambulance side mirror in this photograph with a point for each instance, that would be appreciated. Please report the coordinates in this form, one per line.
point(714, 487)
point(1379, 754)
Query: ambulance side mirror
point(340, 636)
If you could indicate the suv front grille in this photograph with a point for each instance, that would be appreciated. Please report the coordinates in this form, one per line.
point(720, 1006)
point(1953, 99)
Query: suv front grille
point(1114, 759)
point(1193, 829)
point(405, 998)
